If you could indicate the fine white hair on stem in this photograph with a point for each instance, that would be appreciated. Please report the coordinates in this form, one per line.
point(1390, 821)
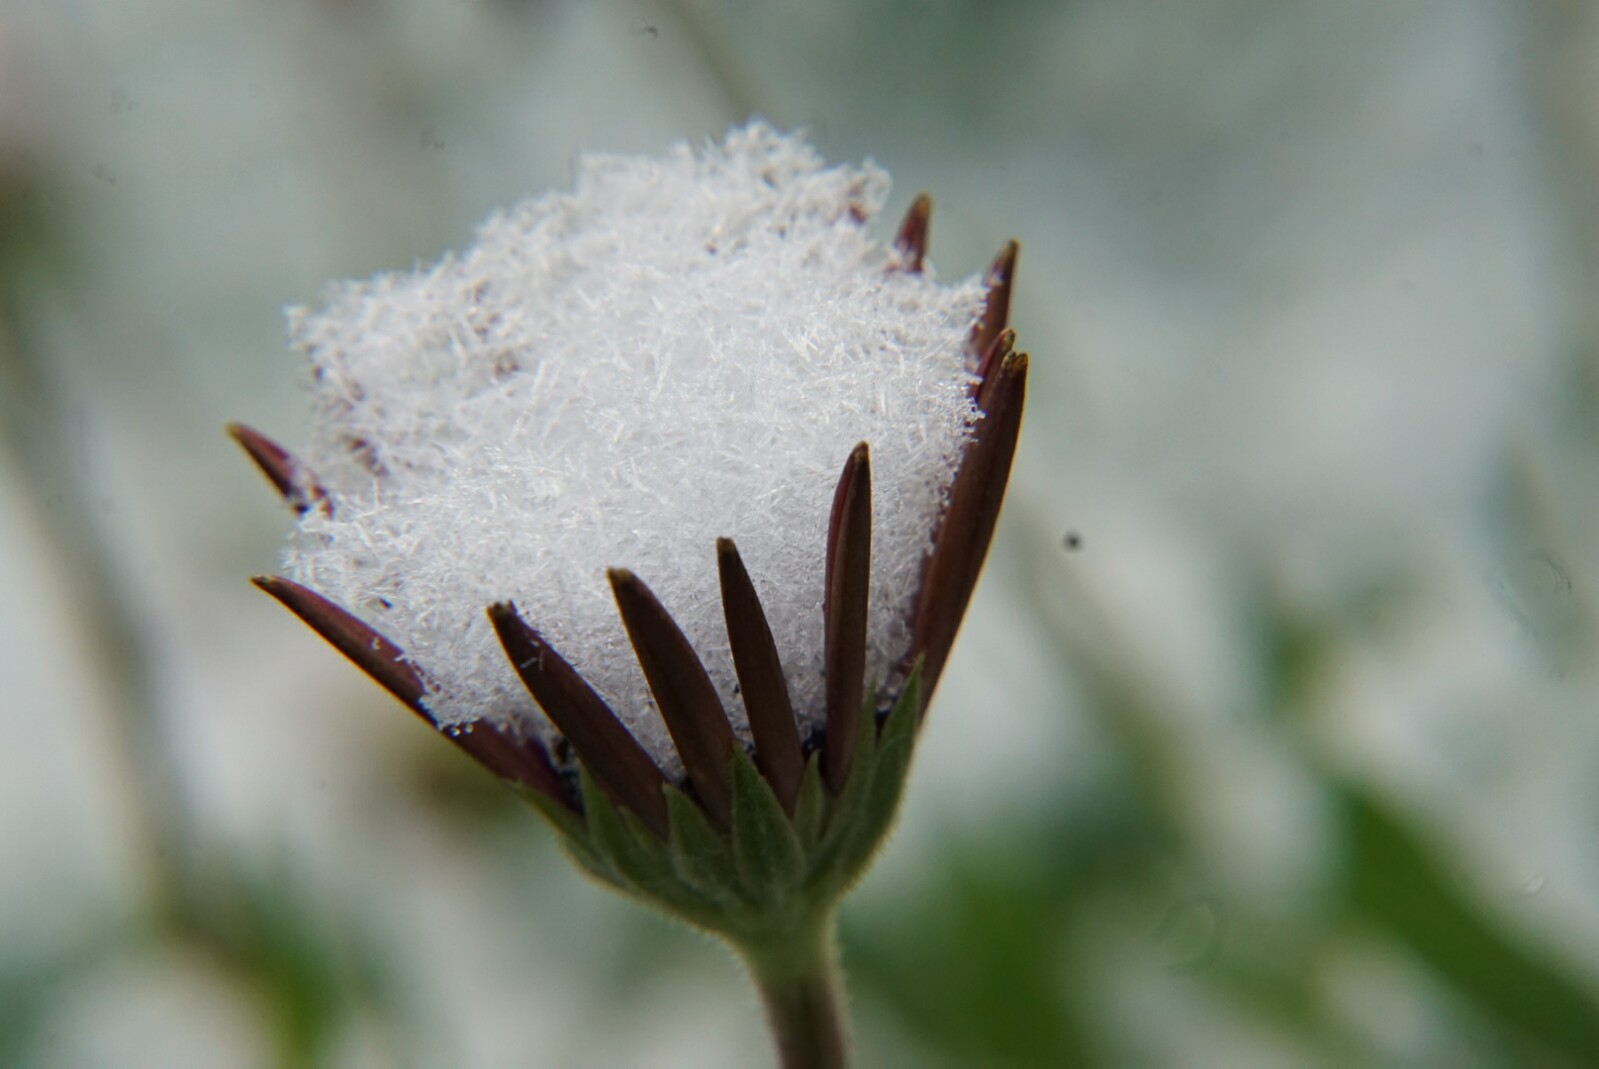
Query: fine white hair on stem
point(682, 349)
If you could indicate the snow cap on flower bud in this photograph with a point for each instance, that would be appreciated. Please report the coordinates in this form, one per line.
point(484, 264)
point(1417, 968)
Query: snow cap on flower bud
point(681, 350)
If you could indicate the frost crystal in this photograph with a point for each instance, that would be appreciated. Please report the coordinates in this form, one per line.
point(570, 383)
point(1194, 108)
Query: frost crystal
point(682, 349)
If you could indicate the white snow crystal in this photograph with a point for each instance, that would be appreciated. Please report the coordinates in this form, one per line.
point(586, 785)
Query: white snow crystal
point(682, 349)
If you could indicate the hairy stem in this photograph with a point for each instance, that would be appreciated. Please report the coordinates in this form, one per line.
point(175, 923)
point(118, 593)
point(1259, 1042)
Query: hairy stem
point(802, 988)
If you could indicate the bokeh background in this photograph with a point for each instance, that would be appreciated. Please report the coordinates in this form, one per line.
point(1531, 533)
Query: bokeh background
point(1273, 736)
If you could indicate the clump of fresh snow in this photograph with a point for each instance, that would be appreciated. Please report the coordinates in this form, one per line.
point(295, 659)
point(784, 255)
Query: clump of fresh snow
point(684, 348)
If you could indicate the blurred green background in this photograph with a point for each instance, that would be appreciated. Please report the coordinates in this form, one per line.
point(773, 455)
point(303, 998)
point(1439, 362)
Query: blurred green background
point(1273, 736)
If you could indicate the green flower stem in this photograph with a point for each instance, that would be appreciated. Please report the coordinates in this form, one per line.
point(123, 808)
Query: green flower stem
point(802, 987)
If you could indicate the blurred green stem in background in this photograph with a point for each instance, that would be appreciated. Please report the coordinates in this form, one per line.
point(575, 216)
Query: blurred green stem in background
point(261, 927)
point(720, 59)
point(41, 432)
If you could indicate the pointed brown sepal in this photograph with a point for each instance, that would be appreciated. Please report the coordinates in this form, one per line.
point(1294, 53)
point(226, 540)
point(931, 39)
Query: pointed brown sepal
point(605, 747)
point(521, 761)
point(967, 526)
point(911, 241)
point(375, 655)
point(1003, 344)
point(514, 759)
point(760, 679)
point(683, 692)
point(844, 606)
point(288, 476)
point(996, 307)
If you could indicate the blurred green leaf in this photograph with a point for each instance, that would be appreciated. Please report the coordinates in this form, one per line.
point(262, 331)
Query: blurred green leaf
point(978, 963)
point(29, 986)
point(312, 973)
point(1394, 883)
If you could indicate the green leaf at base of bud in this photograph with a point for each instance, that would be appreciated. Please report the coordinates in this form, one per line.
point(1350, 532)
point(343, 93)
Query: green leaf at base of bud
point(772, 877)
